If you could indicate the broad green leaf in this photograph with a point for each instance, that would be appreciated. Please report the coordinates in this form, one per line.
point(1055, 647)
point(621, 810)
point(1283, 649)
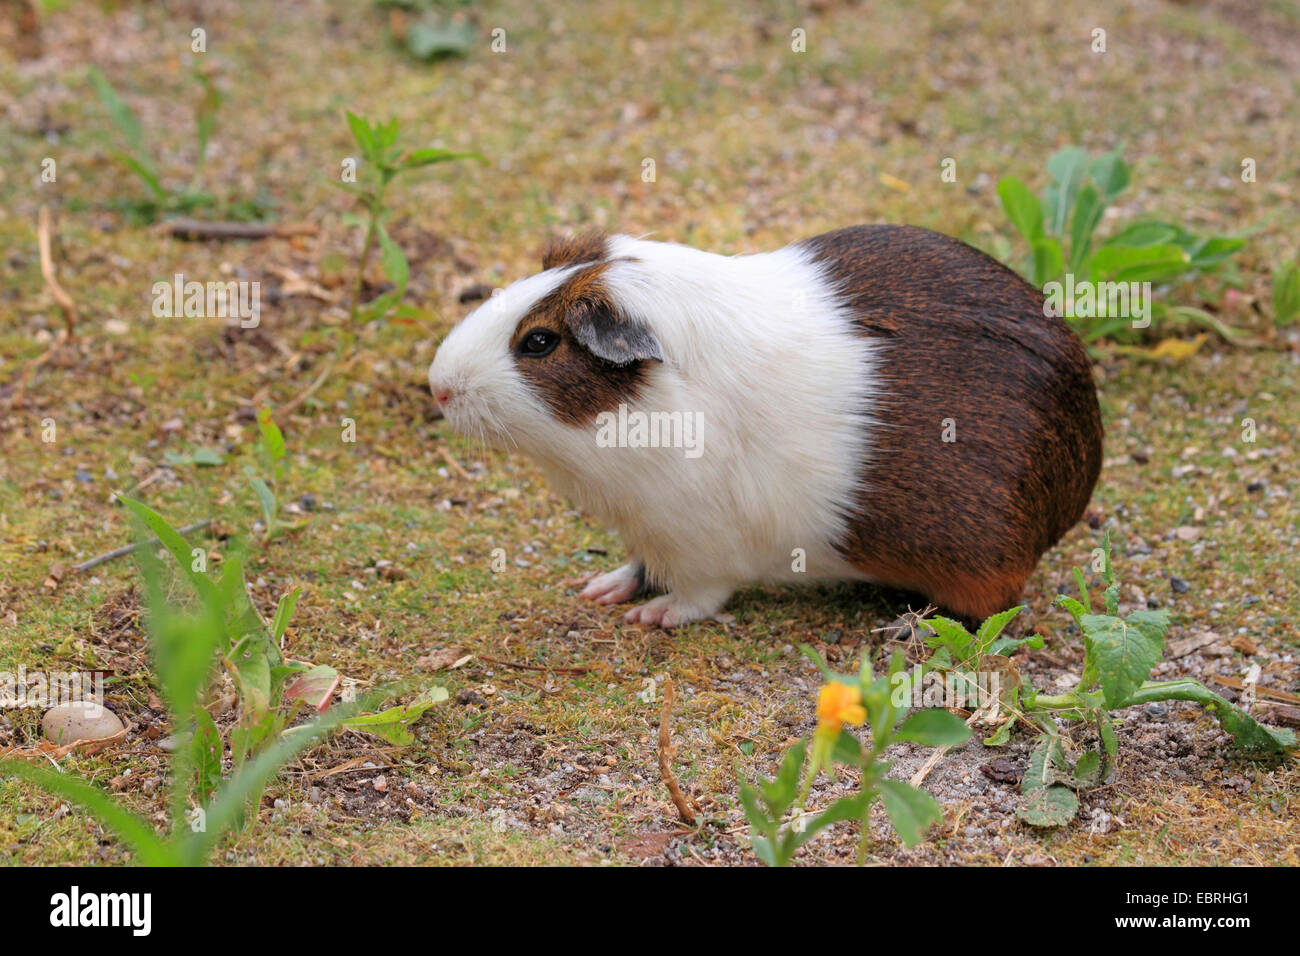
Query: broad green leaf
point(1248, 734)
point(272, 438)
point(1053, 806)
point(933, 728)
point(1088, 209)
point(910, 810)
point(362, 133)
point(393, 260)
point(1087, 768)
point(1144, 234)
point(1045, 763)
point(761, 828)
point(1214, 250)
point(1004, 644)
point(779, 793)
point(950, 634)
point(386, 135)
point(1022, 208)
point(764, 851)
point(847, 749)
point(1123, 651)
point(993, 626)
point(845, 808)
point(1139, 263)
point(251, 671)
point(1111, 174)
point(1046, 262)
point(1286, 294)
point(205, 755)
point(265, 498)
point(1077, 610)
point(1067, 167)
point(241, 617)
point(1003, 734)
point(394, 724)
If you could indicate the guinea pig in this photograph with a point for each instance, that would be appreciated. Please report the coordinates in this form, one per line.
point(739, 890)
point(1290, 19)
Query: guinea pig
point(879, 403)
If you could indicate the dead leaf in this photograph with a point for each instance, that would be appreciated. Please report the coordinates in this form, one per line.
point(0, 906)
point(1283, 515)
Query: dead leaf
point(1243, 643)
point(894, 183)
point(1184, 646)
point(55, 576)
point(449, 658)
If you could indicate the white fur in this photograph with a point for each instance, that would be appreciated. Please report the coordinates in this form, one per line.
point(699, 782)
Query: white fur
point(762, 347)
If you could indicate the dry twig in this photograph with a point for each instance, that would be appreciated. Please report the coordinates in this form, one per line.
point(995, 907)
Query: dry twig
point(66, 305)
point(534, 667)
point(666, 751)
point(198, 229)
point(128, 548)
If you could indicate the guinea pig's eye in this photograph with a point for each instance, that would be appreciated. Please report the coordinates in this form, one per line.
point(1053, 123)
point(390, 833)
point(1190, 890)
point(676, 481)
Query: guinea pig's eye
point(538, 342)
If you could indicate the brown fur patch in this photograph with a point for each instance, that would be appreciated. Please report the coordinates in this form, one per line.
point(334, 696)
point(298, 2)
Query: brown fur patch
point(963, 337)
point(572, 250)
point(575, 384)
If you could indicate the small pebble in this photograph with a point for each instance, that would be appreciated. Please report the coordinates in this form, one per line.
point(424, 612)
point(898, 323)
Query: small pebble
point(79, 720)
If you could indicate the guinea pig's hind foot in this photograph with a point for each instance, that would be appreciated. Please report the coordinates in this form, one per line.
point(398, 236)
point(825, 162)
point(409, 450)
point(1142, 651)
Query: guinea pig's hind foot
point(617, 586)
point(676, 608)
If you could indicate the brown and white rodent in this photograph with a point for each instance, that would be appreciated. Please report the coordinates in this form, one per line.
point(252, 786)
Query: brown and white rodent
point(881, 403)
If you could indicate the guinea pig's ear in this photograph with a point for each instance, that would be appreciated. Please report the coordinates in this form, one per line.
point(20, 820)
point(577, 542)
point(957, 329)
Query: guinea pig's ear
point(608, 334)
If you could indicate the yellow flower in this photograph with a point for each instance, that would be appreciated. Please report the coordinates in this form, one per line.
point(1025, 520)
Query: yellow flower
point(839, 704)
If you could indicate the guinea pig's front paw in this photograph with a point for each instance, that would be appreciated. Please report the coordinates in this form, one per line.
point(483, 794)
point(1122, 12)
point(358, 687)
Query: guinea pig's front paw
point(615, 587)
point(675, 608)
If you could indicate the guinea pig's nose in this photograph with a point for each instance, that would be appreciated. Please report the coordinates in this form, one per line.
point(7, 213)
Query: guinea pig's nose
point(442, 395)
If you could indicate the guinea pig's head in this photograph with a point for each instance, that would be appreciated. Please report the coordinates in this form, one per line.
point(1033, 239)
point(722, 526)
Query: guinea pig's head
point(539, 360)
